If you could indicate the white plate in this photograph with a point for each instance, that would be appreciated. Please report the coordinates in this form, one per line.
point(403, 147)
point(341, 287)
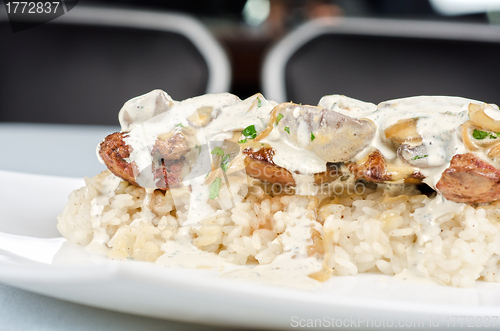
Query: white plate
point(31, 250)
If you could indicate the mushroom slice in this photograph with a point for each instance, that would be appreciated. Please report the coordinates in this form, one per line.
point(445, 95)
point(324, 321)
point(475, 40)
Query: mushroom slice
point(494, 152)
point(144, 107)
point(481, 119)
point(403, 131)
point(415, 156)
point(466, 136)
point(202, 116)
point(332, 136)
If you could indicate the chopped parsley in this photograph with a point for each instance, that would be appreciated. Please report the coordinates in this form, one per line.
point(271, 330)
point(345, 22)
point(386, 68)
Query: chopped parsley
point(225, 158)
point(278, 118)
point(480, 135)
point(419, 157)
point(242, 141)
point(180, 125)
point(225, 162)
point(287, 129)
point(214, 188)
point(218, 151)
point(249, 132)
point(259, 103)
point(312, 136)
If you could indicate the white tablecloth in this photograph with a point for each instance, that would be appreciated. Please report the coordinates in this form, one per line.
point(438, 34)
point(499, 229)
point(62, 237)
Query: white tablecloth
point(61, 150)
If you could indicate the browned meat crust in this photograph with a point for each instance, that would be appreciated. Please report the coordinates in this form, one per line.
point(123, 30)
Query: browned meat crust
point(169, 174)
point(113, 151)
point(470, 180)
point(259, 164)
point(333, 171)
point(167, 166)
point(375, 169)
point(172, 148)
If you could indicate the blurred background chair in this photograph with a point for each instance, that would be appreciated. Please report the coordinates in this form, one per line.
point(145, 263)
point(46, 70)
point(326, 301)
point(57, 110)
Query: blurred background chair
point(376, 60)
point(82, 67)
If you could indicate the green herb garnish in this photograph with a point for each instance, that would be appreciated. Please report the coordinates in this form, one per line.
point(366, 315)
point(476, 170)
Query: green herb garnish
point(249, 132)
point(259, 103)
point(480, 135)
point(225, 162)
point(180, 125)
point(225, 158)
point(312, 136)
point(242, 141)
point(287, 129)
point(278, 118)
point(214, 188)
point(419, 157)
point(218, 151)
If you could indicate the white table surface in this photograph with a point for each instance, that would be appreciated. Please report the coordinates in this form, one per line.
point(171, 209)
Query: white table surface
point(61, 150)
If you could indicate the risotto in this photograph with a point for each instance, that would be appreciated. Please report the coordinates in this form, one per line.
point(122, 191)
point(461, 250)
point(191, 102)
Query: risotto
point(302, 222)
point(374, 230)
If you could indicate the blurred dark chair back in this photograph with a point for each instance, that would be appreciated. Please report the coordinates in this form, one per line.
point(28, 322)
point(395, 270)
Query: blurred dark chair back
point(82, 67)
point(376, 60)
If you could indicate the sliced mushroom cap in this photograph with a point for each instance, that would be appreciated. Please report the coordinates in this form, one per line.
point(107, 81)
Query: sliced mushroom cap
point(479, 118)
point(332, 136)
point(144, 107)
point(415, 156)
point(403, 131)
point(202, 116)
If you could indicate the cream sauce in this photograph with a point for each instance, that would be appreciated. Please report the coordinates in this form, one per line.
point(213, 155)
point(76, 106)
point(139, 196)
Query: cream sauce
point(154, 114)
point(292, 267)
point(427, 218)
point(438, 119)
point(104, 193)
point(181, 253)
point(292, 157)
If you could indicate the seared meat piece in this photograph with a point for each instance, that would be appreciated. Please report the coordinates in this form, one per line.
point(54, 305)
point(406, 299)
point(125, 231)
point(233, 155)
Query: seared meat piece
point(375, 168)
point(168, 159)
point(259, 164)
point(169, 174)
point(113, 151)
point(172, 146)
point(470, 180)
